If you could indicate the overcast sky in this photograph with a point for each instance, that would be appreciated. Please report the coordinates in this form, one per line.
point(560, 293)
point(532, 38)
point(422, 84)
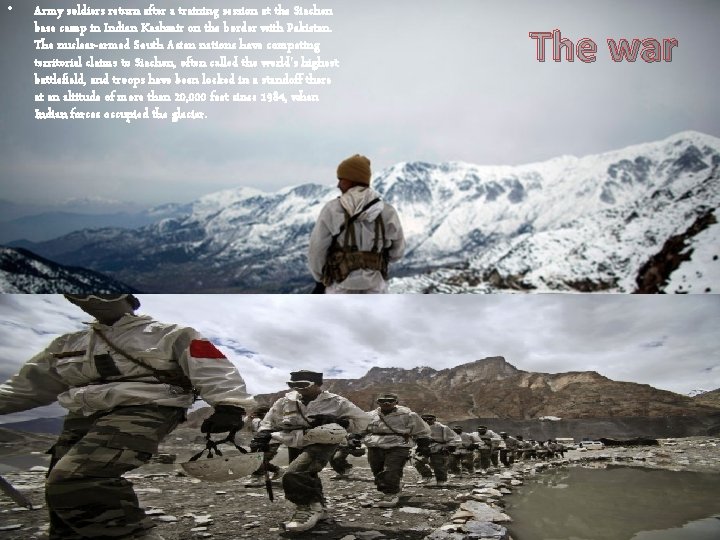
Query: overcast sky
point(432, 80)
point(670, 342)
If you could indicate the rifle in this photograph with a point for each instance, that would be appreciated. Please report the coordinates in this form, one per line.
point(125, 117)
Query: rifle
point(7, 488)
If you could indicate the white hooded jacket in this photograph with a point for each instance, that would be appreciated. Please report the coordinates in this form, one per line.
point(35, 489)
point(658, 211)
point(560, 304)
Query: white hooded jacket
point(287, 417)
point(332, 218)
point(85, 375)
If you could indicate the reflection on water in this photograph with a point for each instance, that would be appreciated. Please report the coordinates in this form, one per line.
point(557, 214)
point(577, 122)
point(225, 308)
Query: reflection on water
point(703, 529)
point(616, 503)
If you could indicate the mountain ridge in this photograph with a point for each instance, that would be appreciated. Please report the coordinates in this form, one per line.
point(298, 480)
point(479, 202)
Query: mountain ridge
point(580, 224)
point(493, 388)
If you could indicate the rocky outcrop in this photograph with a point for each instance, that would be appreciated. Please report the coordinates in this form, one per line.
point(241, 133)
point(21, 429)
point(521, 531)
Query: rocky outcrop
point(711, 398)
point(654, 274)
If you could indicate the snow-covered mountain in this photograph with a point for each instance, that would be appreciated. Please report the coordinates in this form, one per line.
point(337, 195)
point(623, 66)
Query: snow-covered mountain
point(637, 219)
point(22, 271)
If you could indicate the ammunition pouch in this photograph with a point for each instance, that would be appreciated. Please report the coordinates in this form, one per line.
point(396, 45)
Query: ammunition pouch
point(340, 263)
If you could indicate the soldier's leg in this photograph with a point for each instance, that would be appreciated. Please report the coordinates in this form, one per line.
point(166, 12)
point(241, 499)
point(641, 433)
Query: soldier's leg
point(439, 463)
point(422, 466)
point(85, 488)
point(454, 464)
point(485, 460)
point(494, 454)
point(376, 460)
point(389, 478)
point(75, 426)
point(468, 461)
point(301, 482)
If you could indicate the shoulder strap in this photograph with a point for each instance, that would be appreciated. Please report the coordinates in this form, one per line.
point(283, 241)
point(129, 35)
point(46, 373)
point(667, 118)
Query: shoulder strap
point(379, 235)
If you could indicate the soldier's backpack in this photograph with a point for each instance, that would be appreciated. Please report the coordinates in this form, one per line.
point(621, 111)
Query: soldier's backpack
point(343, 259)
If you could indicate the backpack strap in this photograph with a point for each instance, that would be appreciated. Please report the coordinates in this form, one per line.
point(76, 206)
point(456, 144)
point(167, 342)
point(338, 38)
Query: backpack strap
point(349, 220)
point(379, 233)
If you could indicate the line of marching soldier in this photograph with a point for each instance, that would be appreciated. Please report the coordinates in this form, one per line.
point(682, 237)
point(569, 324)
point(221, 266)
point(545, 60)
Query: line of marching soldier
point(484, 449)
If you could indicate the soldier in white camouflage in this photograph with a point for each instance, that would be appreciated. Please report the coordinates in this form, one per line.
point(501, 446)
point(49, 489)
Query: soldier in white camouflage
point(311, 422)
point(127, 381)
point(507, 452)
point(487, 453)
point(464, 455)
point(522, 448)
point(444, 442)
point(393, 431)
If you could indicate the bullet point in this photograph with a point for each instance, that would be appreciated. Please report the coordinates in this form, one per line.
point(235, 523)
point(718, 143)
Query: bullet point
point(9, 8)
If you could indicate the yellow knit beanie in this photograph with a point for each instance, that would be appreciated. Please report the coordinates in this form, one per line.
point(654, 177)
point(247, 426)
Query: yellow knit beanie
point(355, 169)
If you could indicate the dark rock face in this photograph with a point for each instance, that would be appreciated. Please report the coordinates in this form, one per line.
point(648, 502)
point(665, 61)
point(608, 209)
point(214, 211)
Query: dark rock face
point(653, 275)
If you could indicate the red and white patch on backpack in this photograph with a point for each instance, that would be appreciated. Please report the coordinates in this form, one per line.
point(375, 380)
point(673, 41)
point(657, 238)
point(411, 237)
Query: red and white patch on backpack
point(201, 348)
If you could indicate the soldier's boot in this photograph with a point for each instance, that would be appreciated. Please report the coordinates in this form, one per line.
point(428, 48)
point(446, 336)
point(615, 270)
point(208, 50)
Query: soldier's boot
point(388, 500)
point(305, 517)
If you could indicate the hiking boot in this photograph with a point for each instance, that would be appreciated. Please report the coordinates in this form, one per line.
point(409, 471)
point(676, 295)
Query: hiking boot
point(388, 500)
point(277, 475)
point(305, 517)
point(441, 483)
point(424, 480)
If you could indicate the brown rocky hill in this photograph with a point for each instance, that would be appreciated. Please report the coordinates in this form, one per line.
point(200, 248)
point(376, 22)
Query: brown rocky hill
point(493, 388)
point(711, 398)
